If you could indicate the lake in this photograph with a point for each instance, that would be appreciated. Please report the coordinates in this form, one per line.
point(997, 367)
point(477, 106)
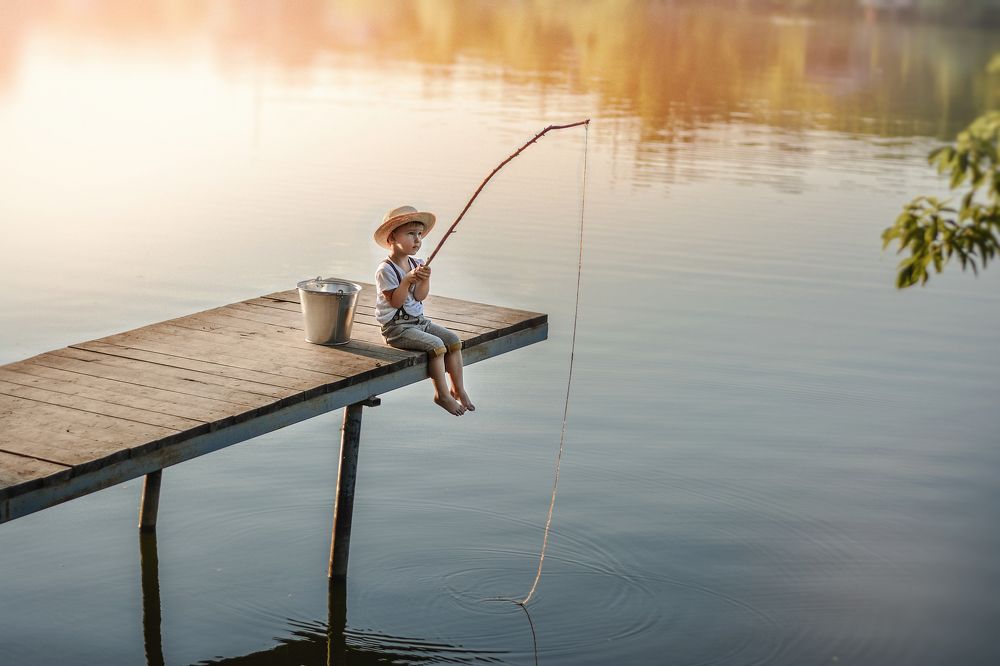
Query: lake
point(772, 455)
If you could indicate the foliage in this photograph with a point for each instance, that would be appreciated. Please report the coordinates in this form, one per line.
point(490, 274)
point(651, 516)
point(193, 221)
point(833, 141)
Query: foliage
point(933, 230)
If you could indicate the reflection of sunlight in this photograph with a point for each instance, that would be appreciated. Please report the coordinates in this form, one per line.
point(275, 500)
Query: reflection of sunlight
point(73, 124)
point(207, 122)
point(166, 125)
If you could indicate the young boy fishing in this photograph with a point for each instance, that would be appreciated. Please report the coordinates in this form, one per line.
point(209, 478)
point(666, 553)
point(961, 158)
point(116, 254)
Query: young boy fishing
point(403, 282)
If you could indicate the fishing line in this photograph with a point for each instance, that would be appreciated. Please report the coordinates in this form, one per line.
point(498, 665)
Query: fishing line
point(569, 378)
point(572, 352)
point(523, 603)
point(534, 639)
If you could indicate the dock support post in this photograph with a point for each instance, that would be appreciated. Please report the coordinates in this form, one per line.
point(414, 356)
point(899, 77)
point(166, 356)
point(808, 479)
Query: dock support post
point(152, 637)
point(336, 626)
point(150, 501)
point(343, 507)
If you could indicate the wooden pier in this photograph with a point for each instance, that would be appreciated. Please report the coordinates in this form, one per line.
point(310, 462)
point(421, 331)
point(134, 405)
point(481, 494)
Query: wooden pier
point(79, 419)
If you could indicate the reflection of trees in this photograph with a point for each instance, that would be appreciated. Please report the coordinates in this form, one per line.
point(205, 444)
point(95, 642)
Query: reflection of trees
point(665, 63)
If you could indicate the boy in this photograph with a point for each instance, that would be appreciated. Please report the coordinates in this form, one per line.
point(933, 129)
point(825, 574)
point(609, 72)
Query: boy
point(403, 282)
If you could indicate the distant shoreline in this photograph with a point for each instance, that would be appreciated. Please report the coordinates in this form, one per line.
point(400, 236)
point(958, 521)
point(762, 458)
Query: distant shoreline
point(985, 13)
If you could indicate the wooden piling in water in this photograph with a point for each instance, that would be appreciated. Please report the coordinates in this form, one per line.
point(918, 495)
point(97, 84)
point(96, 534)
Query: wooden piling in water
point(151, 615)
point(336, 627)
point(150, 501)
point(347, 474)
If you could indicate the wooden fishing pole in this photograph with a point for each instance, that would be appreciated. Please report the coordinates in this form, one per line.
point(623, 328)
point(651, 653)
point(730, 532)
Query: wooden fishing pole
point(454, 224)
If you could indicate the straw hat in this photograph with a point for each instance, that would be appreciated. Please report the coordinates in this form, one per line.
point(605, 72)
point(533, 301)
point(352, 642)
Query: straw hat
point(397, 217)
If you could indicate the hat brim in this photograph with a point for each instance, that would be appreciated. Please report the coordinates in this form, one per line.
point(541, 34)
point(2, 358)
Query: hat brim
point(382, 233)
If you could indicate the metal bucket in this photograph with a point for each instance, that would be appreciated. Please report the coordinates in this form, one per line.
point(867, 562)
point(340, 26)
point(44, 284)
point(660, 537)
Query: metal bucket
point(328, 308)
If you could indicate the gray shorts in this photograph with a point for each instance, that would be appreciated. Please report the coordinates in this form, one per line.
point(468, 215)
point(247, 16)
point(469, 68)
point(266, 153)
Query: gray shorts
point(420, 334)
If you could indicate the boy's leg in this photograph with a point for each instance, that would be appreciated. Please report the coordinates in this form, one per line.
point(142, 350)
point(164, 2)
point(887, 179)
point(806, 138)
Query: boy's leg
point(453, 366)
point(453, 362)
point(436, 370)
point(412, 337)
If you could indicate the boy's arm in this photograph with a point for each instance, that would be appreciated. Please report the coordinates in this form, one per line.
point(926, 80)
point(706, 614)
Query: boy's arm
point(387, 281)
point(423, 287)
point(397, 296)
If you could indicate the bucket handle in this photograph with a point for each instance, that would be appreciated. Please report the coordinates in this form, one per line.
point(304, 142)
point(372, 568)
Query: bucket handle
point(320, 279)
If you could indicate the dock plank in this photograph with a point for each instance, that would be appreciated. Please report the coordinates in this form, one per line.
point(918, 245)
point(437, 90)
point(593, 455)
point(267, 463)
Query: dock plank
point(24, 472)
point(281, 343)
point(97, 406)
point(362, 340)
point(158, 358)
point(70, 436)
point(201, 384)
point(265, 314)
point(118, 392)
point(175, 341)
point(292, 314)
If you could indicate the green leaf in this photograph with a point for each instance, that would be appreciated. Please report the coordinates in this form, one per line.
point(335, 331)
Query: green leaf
point(930, 231)
point(967, 200)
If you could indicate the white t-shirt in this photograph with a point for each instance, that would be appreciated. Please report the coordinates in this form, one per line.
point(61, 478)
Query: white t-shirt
point(386, 279)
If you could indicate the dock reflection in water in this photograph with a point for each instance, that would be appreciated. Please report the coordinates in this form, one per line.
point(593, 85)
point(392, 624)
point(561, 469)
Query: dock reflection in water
point(310, 642)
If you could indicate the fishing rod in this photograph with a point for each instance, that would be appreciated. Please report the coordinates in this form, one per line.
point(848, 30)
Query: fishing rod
point(454, 224)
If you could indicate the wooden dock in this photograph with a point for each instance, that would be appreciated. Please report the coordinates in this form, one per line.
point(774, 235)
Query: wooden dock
point(91, 415)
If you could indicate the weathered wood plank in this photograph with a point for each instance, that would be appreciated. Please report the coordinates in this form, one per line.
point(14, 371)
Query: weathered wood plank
point(324, 364)
point(361, 331)
point(265, 314)
point(69, 436)
point(364, 341)
point(194, 365)
point(277, 339)
point(146, 374)
point(175, 341)
point(341, 359)
point(23, 473)
point(97, 406)
point(111, 390)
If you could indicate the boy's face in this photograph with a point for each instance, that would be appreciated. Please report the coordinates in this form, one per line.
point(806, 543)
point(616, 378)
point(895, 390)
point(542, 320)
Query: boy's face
point(407, 238)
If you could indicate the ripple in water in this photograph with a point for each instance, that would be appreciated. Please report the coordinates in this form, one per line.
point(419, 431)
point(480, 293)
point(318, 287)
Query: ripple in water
point(589, 602)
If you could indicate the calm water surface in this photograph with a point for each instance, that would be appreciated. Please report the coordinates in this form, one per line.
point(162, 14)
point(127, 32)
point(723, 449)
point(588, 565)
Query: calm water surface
point(772, 457)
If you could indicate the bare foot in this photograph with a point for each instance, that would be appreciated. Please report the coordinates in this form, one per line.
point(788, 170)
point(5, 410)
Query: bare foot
point(450, 404)
point(463, 398)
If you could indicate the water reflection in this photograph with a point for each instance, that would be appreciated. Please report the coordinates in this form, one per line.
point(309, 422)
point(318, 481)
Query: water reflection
point(335, 644)
point(310, 642)
point(669, 65)
point(151, 618)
